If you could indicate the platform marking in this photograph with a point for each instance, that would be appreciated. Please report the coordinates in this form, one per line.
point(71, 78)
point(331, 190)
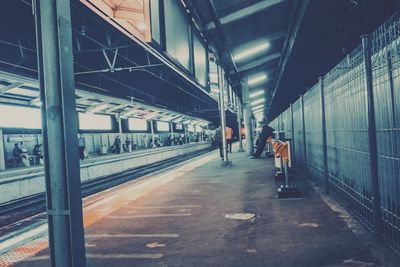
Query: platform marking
point(155, 245)
point(240, 216)
point(107, 256)
point(168, 207)
point(150, 216)
point(132, 235)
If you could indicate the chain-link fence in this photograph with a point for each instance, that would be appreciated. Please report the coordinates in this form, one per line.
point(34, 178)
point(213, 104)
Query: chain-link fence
point(348, 140)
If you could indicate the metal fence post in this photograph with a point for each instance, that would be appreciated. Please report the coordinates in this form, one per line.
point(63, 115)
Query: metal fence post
point(373, 148)
point(324, 144)
point(59, 121)
point(304, 132)
point(292, 126)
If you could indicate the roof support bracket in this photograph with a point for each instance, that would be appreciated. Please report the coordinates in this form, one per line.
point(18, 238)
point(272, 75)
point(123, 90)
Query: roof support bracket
point(111, 65)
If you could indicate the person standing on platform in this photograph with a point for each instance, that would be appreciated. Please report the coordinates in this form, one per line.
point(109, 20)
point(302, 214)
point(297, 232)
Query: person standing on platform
point(228, 135)
point(218, 140)
point(264, 135)
point(17, 155)
point(117, 145)
point(81, 145)
point(243, 132)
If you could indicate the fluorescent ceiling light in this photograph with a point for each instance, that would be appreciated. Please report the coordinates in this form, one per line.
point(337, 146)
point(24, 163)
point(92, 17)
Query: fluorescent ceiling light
point(257, 79)
point(258, 109)
point(257, 93)
point(258, 101)
point(251, 51)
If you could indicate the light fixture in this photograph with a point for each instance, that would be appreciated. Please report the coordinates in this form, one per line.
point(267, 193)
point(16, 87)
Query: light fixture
point(259, 106)
point(258, 101)
point(257, 79)
point(251, 51)
point(257, 93)
point(258, 109)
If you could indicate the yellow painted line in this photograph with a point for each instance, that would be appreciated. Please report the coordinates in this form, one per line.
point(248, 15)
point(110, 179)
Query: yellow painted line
point(126, 256)
point(168, 207)
point(151, 216)
point(107, 256)
point(131, 235)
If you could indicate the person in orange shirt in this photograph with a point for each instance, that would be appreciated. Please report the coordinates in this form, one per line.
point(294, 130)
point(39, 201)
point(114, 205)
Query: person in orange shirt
point(228, 136)
point(243, 132)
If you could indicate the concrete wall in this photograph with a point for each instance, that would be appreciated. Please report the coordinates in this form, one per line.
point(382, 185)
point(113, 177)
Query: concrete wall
point(15, 184)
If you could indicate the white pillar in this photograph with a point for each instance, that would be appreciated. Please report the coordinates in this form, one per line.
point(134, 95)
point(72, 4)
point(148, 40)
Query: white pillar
point(152, 132)
point(2, 152)
point(120, 132)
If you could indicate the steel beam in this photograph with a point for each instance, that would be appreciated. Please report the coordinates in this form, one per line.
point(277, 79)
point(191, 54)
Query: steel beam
point(247, 119)
point(245, 12)
point(299, 9)
point(239, 121)
point(9, 87)
point(258, 62)
point(59, 121)
point(373, 147)
point(222, 113)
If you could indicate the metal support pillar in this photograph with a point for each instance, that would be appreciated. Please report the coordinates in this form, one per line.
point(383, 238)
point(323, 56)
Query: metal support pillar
point(304, 132)
point(59, 122)
point(239, 121)
point(292, 126)
point(152, 133)
point(247, 119)
point(185, 133)
point(221, 82)
point(119, 119)
point(373, 148)
point(324, 144)
point(2, 152)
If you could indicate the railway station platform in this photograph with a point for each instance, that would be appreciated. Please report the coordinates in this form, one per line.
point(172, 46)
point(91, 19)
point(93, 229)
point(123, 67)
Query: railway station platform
point(198, 213)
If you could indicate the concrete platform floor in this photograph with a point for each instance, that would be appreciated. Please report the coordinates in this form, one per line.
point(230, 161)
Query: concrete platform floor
point(178, 218)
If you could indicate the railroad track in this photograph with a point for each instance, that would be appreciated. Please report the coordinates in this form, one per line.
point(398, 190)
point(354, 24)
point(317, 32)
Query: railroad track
point(18, 209)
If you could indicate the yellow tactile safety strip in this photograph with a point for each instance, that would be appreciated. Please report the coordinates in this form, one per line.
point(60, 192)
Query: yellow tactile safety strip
point(23, 252)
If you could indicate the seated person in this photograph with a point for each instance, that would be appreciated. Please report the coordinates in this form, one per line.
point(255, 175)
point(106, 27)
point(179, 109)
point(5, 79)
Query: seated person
point(17, 155)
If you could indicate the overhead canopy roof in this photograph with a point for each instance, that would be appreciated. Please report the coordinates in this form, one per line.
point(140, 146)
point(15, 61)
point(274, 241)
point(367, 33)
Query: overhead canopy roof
point(307, 38)
point(141, 72)
point(19, 90)
point(236, 26)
